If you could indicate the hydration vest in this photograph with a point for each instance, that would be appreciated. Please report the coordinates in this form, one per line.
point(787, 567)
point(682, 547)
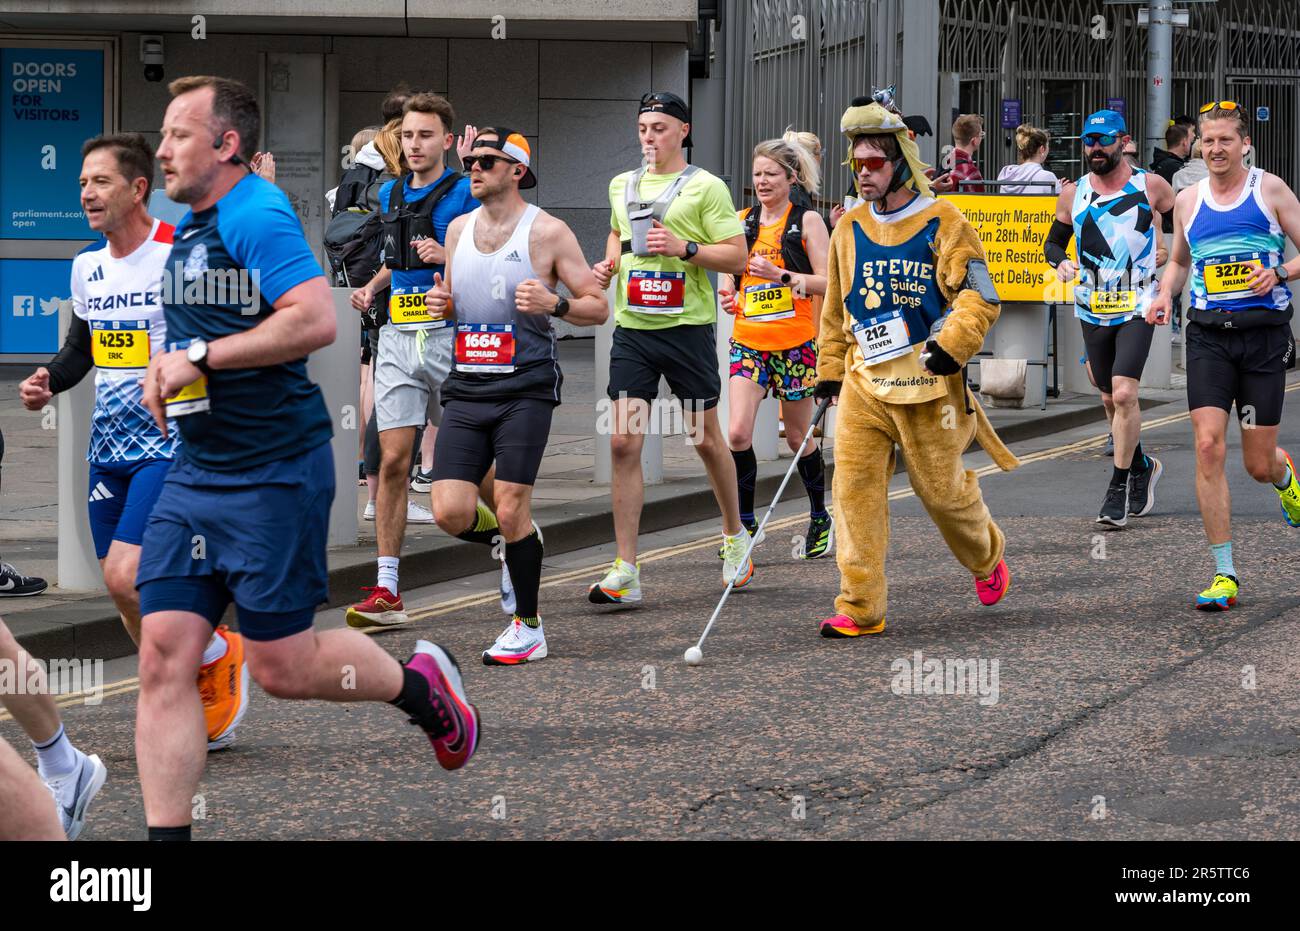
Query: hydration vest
point(404, 221)
point(794, 256)
point(643, 211)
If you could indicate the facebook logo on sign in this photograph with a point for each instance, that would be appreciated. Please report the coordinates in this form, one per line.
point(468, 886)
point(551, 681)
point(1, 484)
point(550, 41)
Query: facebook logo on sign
point(24, 305)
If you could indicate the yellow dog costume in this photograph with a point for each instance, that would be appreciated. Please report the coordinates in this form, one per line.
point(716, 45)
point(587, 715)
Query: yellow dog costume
point(891, 279)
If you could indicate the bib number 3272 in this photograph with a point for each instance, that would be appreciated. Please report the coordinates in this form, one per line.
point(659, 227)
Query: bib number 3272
point(1224, 278)
point(487, 348)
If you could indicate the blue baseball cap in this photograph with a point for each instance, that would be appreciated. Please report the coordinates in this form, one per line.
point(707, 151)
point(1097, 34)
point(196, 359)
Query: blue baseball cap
point(1104, 123)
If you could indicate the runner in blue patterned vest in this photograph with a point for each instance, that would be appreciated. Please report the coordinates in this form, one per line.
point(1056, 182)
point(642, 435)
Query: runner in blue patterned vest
point(1230, 232)
point(1113, 212)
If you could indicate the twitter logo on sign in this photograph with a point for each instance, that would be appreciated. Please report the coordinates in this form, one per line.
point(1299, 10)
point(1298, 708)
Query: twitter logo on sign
point(50, 307)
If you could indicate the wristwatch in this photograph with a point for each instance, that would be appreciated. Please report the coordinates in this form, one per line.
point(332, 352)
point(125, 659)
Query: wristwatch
point(197, 353)
point(786, 278)
point(561, 308)
point(691, 249)
point(1281, 273)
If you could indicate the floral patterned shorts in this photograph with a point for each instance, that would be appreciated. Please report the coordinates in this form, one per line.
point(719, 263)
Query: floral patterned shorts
point(790, 374)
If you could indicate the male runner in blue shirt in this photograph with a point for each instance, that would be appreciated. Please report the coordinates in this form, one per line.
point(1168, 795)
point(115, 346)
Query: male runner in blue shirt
point(244, 512)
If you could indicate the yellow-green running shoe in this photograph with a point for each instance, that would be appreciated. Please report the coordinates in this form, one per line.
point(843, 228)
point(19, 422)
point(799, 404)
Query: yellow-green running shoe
point(1290, 495)
point(1220, 596)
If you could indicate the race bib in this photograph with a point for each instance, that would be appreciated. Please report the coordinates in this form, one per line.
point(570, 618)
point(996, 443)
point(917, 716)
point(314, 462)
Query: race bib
point(1223, 278)
point(487, 348)
point(656, 292)
point(769, 302)
point(120, 344)
point(407, 311)
point(1113, 302)
point(883, 338)
point(193, 398)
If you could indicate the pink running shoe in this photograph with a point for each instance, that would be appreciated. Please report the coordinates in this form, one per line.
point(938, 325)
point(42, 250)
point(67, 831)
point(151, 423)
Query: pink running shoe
point(992, 589)
point(841, 626)
point(453, 724)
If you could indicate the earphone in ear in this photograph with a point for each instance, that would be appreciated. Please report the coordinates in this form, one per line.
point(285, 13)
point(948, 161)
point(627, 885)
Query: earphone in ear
point(219, 142)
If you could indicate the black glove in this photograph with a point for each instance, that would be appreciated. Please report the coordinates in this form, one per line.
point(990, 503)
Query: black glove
point(827, 389)
point(937, 361)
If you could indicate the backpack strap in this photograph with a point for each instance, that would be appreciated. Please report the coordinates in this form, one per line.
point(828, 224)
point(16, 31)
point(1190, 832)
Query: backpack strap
point(794, 252)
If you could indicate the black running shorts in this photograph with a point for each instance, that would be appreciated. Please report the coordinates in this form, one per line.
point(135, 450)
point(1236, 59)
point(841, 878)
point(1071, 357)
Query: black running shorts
point(686, 355)
point(1244, 366)
point(473, 434)
point(1117, 350)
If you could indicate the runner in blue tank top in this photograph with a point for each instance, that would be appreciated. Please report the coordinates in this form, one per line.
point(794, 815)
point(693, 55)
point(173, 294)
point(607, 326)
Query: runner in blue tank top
point(244, 512)
point(1113, 213)
point(1230, 233)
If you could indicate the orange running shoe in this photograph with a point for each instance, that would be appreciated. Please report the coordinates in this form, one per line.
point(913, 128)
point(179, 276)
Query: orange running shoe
point(223, 686)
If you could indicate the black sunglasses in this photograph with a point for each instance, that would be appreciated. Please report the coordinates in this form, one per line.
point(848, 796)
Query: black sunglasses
point(485, 162)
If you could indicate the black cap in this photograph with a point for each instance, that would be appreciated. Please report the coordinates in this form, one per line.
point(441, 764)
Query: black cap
point(669, 103)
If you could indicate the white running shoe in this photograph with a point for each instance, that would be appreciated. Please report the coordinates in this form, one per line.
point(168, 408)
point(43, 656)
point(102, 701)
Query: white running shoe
point(417, 514)
point(517, 644)
point(508, 602)
point(73, 791)
point(369, 512)
point(733, 552)
point(621, 585)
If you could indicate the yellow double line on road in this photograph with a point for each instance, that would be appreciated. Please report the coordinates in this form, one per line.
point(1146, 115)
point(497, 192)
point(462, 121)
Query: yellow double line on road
point(711, 542)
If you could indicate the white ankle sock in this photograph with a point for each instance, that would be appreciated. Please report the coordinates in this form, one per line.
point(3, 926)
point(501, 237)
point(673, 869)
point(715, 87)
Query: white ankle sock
point(388, 573)
point(56, 756)
point(215, 649)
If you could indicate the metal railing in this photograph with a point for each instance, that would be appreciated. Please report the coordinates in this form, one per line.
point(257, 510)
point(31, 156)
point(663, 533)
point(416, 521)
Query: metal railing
point(1051, 55)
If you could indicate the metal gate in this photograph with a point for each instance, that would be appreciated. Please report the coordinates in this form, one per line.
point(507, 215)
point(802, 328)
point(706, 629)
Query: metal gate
point(800, 60)
point(1053, 57)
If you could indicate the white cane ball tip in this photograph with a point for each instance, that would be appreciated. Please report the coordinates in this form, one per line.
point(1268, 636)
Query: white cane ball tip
point(694, 656)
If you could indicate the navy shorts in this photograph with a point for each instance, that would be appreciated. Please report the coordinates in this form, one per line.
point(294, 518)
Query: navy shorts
point(256, 537)
point(121, 496)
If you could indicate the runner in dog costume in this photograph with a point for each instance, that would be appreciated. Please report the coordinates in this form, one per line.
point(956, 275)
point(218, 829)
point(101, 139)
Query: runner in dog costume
point(908, 302)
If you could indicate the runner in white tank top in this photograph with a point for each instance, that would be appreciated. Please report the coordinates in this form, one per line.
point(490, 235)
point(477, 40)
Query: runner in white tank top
point(505, 262)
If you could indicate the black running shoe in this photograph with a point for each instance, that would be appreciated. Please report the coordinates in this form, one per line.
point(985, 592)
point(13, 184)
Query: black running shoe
point(1114, 510)
point(423, 481)
point(14, 584)
point(1142, 488)
point(820, 538)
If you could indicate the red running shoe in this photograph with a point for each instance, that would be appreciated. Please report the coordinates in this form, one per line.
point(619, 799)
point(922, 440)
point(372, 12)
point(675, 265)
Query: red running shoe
point(381, 609)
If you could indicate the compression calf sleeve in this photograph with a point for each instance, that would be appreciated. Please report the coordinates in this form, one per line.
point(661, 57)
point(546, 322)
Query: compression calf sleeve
point(485, 528)
point(524, 560)
point(812, 469)
point(746, 478)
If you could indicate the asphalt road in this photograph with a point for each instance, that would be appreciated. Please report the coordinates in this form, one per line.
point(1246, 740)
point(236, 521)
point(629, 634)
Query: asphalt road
point(1119, 711)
